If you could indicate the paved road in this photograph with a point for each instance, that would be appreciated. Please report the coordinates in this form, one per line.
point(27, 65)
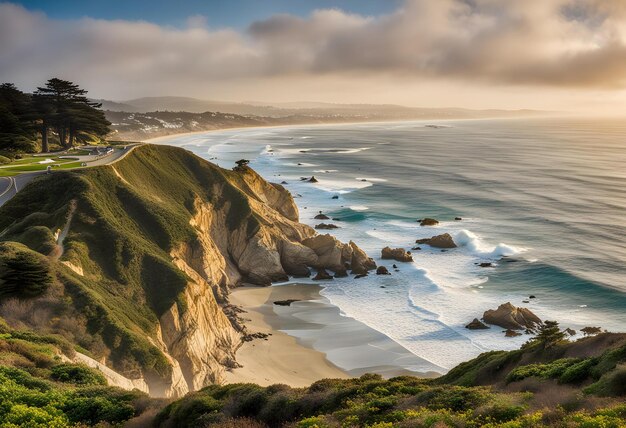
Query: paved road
point(18, 182)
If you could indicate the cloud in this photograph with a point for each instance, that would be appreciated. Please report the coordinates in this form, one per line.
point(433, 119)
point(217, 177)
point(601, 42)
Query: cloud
point(555, 43)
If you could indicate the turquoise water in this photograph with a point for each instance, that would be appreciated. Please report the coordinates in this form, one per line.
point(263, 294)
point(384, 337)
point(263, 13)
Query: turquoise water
point(549, 194)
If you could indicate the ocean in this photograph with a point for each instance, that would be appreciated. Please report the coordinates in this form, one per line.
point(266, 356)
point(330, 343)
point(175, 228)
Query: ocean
point(548, 194)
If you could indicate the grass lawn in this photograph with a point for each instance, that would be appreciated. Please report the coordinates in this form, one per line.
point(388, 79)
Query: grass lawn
point(32, 163)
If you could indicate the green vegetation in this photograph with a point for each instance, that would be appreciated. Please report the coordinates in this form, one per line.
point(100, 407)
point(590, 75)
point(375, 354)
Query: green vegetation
point(125, 224)
point(370, 401)
point(37, 389)
point(122, 235)
point(23, 272)
point(59, 106)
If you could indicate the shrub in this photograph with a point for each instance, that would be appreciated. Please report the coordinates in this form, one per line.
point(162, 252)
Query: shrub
point(77, 374)
point(612, 384)
point(4, 160)
point(578, 372)
point(545, 371)
point(23, 273)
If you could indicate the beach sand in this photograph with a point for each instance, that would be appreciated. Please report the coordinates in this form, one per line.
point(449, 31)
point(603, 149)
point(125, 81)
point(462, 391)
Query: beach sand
point(310, 340)
point(279, 359)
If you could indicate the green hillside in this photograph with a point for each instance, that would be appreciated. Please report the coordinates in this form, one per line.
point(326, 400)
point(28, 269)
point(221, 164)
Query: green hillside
point(39, 389)
point(121, 235)
point(568, 384)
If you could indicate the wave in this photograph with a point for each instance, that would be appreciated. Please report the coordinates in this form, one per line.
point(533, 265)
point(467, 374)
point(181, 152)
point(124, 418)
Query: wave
point(359, 207)
point(374, 179)
point(476, 245)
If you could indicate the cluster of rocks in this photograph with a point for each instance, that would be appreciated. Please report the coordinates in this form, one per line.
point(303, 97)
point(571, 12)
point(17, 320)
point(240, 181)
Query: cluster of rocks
point(438, 241)
point(326, 226)
point(513, 319)
point(251, 336)
point(428, 221)
point(398, 254)
point(334, 256)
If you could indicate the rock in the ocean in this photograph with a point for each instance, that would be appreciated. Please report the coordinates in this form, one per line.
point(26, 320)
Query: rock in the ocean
point(382, 270)
point(439, 241)
point(511, 317)
point(321, 216)
point(399, 254)
point(428, 222)
point(485, 264)
point(512, 333)
point(476, 324)
point(360, 263)
point(287, 302)
point(283, 182)
point(312, 179)
point(458, 218)
point(361, 275)
point(335, 197)
point(326, 226)
point(322, 274)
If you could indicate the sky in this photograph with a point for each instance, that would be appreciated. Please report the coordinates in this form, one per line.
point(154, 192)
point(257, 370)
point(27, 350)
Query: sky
point(564, 55)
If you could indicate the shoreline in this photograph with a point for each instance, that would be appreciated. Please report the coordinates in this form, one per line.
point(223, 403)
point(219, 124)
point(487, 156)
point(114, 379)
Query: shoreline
point(157, 140)
point(310, 340)
point(278, 358)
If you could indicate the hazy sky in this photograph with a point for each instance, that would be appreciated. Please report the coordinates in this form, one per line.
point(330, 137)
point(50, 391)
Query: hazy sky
point(542, 54)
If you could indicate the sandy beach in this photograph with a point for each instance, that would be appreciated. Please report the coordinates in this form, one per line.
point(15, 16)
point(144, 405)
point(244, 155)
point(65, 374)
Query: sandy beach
point(310, 340)
point(279, 358)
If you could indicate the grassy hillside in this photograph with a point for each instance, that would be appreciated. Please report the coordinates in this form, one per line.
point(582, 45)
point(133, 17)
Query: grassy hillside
point(125, 221)
point(39, 389)
point(568, 384)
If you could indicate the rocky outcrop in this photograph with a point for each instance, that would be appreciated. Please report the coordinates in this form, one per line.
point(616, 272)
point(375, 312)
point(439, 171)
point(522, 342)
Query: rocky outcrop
point(439, 241)
point(382, 270)
point(321, 216)
point(360, 263)
point(476, 324)
point(398, 254)
point(511, 333)
point(513, 318)
point(428, 222)
point(330, 253)
point(326, 226)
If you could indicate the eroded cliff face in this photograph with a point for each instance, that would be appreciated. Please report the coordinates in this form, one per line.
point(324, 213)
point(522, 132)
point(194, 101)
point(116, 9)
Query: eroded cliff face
point(269, 247)
point(177, 240)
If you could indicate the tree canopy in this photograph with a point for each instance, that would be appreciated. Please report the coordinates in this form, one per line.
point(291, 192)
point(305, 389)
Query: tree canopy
point(60, 108)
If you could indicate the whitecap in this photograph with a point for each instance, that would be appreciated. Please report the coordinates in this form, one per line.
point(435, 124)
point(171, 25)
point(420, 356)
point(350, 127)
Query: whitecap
point(359, 207)
point(476, 245)
point(375, 180)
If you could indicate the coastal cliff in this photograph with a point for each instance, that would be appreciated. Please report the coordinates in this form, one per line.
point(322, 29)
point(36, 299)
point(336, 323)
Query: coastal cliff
point(141, 256)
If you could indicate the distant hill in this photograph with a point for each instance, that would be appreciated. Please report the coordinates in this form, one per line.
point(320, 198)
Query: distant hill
point(373, 111)
point(150, 117)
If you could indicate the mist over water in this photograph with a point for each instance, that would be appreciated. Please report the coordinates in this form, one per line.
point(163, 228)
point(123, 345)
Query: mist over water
point(548, 194)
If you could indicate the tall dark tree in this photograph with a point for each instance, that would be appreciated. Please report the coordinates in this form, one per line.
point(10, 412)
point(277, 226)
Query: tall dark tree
point(67, 108)
point(17, 132)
